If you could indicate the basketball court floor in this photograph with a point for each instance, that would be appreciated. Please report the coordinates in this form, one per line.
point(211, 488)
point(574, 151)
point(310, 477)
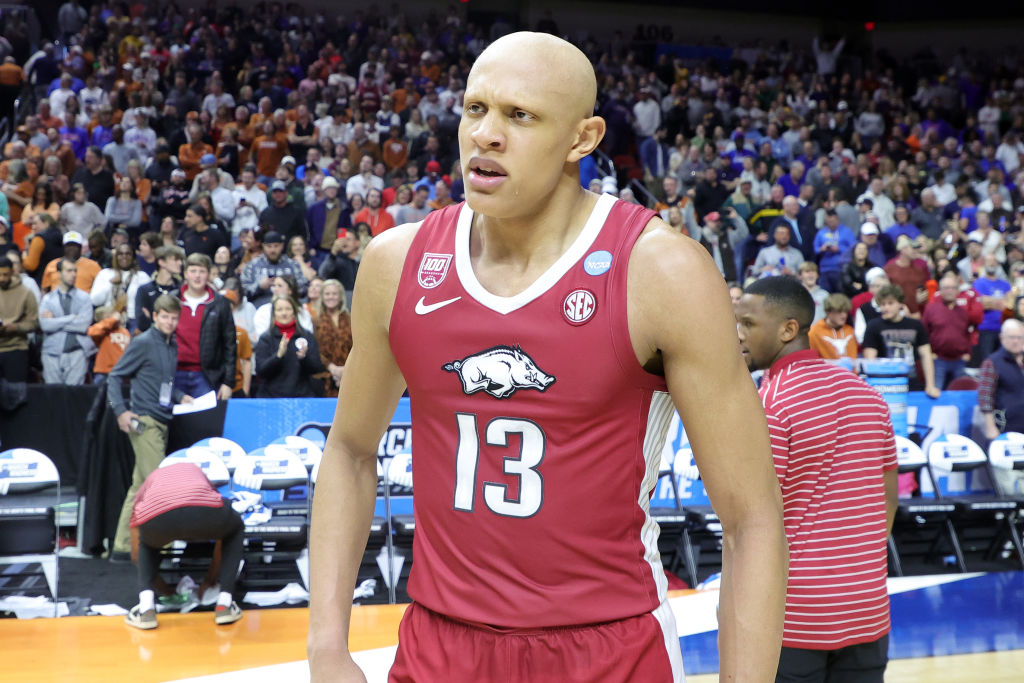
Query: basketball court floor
point(961, 628)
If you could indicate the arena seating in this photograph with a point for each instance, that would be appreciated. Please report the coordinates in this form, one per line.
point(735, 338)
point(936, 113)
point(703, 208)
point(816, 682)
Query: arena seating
point(29, 496)
point(272, 547)
point(982, 522)
point(923, 532)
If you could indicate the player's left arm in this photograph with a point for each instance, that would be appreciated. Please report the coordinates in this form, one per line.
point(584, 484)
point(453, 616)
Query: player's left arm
point(924, 352)
point(679, 312)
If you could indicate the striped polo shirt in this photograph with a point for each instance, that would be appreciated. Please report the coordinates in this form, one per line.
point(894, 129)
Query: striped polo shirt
point(172, 487)
point(831, 441)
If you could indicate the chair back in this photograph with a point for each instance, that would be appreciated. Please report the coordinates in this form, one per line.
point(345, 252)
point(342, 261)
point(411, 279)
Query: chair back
point(309, 453)
point(273, 468)
point(1006, 452)
point(909, 455)
point(206, 459)
point(229, 451)
point(955, 453)
point(24, 470)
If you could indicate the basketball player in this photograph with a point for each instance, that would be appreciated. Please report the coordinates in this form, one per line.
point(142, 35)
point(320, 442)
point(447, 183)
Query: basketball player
point(545, 334)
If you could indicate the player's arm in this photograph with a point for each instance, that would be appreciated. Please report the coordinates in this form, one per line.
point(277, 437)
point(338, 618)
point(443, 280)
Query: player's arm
point(928, 370)
point(891, 497)
point(724, 419)
point(347, 483)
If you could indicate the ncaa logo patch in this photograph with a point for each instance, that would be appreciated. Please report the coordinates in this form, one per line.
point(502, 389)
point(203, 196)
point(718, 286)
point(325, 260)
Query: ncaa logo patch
point(433, 269)
point(597, 263)
point(579, 306)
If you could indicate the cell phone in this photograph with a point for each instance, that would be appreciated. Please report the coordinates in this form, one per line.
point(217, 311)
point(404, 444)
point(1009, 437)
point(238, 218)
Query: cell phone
point(137, 425)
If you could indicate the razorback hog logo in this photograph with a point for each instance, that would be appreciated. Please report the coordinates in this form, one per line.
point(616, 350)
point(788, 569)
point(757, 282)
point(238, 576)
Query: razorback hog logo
point(499, 372)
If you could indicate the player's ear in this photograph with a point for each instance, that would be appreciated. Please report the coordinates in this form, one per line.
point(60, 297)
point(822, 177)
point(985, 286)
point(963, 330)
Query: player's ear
point(589, 133)
point(788, 330)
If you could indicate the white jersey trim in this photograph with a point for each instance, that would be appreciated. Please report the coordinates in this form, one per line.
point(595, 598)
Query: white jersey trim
point(659, 415)
point(507, 304)
point(667, 619)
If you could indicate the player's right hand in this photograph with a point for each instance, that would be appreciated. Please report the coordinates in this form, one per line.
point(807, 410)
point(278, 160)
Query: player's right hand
point(335, 667)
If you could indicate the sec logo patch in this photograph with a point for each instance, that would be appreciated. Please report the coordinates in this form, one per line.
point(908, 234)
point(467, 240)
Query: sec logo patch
point(579, 306)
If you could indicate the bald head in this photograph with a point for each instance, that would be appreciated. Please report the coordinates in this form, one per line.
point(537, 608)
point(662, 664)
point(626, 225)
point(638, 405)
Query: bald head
point(549, 63)
point(1012, 326)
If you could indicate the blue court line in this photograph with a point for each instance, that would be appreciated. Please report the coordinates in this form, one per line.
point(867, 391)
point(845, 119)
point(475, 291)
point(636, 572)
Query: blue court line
point(979, 613)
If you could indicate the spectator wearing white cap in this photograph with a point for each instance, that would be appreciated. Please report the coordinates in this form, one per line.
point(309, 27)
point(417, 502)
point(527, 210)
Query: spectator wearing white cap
point(88, 269)
point(325, 218)
point(970, 266)
point(867, 309)
point(869, 235)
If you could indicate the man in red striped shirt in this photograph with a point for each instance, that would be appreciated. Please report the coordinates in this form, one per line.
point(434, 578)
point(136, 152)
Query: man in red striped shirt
point(178, 502)
point(834, 452)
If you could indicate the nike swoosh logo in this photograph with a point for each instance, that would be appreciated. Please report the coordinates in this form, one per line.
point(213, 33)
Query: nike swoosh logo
point(423, 309)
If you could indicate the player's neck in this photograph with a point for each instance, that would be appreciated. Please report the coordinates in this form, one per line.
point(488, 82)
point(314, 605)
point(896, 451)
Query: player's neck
point(543, 234)
point(800, 343)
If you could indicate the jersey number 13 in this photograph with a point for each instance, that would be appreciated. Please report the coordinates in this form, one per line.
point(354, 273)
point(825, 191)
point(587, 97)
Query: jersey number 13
point(524, 467)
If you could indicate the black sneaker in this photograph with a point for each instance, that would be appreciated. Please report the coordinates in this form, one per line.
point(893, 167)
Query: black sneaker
point(120, 556)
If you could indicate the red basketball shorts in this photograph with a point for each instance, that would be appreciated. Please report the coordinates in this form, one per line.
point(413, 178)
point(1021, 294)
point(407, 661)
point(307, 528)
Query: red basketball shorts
point(433, 648)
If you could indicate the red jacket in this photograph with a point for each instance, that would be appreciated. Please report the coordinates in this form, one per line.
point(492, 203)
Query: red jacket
point(950, 329)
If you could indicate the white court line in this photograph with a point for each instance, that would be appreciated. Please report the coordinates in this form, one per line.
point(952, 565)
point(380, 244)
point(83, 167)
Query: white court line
point(695, 613)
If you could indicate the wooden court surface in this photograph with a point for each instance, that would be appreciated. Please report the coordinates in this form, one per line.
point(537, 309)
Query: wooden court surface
point(104, 649)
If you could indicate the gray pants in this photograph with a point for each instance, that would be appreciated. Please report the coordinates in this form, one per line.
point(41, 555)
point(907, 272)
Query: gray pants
point(67, 368)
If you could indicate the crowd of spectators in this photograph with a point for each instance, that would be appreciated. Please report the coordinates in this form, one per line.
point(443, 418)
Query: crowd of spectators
point(275, 144)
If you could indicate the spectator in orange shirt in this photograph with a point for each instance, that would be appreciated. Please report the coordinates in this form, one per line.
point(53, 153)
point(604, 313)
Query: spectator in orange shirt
point(46, 118)
point(267, 152)
point(832, 336)
point(374, 214)
point(243, 364)
point(190, 154)
point(12, 78)
point(395, 150)
point(111, 337)
point(429, 68)
point(18, 188)
point(87, 268)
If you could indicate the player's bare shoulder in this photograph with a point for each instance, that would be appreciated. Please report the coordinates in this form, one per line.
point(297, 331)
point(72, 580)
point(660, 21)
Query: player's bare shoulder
point(672, 283)
point(388, 249)
point(662, 257)
point(381, 269)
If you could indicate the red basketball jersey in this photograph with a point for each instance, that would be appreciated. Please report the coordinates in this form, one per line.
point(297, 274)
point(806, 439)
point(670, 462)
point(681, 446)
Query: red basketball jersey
point(537, 436)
